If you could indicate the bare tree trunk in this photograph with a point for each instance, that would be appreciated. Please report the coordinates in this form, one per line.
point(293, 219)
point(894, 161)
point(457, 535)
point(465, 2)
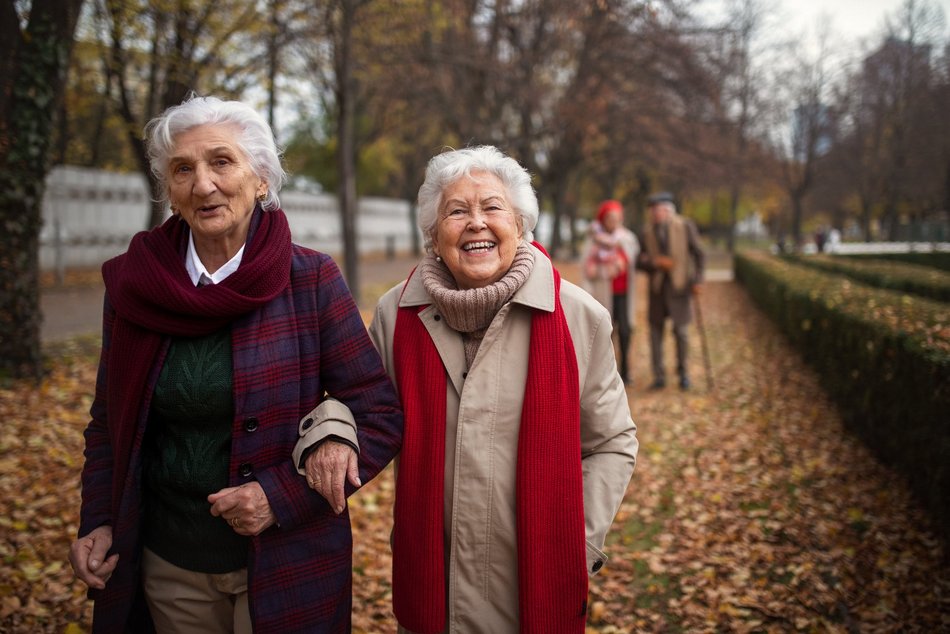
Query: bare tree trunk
point(572, 230)
point(346, 153)
point(569, 205)
point(735, 194)
point(408, 192)
point(415, 240)
point(558, 198)
point(137, 143)
point(866, 218)
point(156, 207)
point(797, 213)
point(946, 186)
point(273, 63)
point(889, 221)
point(749, 18)
point(894, 193)
point(38, 74)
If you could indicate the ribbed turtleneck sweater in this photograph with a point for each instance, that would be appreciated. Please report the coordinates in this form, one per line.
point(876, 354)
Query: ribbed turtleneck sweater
point(471, 311)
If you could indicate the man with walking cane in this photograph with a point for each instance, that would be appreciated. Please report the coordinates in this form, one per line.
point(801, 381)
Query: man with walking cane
point(674, 259)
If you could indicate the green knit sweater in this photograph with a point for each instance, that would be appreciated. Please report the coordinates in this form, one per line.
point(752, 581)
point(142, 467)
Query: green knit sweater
point(186, 457)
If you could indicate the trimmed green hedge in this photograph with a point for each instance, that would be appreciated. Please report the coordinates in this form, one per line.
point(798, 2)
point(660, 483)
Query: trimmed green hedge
point(899, 276)
point(935, 259)
point(883, 356)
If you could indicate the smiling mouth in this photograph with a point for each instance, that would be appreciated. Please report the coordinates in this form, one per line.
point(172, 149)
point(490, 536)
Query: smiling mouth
point(478, 247)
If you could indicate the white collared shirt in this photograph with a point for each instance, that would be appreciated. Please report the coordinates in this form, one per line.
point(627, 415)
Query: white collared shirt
point(197, 271)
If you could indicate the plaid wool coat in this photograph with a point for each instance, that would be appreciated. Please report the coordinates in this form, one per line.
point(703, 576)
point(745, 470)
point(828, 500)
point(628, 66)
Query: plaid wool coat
point(307, 342)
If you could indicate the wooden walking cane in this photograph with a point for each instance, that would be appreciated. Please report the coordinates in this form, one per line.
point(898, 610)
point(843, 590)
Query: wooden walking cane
point(702, 340)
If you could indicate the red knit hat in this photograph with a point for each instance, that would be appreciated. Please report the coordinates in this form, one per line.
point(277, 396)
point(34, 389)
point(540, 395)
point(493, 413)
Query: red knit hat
point(606, 207)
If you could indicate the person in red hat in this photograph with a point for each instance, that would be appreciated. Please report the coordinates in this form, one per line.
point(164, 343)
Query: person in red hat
point(609, 257)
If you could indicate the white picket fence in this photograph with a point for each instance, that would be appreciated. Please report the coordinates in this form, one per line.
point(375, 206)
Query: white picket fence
point(90, 215)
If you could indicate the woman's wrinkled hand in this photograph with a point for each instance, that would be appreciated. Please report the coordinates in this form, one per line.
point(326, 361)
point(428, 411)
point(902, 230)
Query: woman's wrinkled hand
point(245, 508)
point(327, 470)
point(87, 555)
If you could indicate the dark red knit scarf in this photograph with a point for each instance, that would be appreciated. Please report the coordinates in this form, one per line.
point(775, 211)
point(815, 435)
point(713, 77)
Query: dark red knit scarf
point(552, 574)
point(153, 297)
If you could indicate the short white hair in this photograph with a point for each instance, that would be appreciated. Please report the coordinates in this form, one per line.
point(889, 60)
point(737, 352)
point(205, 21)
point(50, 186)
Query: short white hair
point(446, 168)
point(255, 139)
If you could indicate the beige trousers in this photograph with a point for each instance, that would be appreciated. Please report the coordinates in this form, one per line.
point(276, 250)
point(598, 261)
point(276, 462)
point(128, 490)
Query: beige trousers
point(185, 602)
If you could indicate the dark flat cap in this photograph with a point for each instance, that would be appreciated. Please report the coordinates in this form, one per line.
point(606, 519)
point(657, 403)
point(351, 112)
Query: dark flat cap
point(659, 197)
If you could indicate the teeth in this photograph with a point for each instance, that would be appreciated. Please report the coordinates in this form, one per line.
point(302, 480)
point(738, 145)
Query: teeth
point(478, 245)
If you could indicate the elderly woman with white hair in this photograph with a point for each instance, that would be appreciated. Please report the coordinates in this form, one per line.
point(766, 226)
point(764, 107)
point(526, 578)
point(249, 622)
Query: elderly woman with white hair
point(219, 334)
point(518, 442)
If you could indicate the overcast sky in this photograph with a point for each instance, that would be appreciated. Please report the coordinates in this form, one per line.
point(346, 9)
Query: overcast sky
point(851, 21)
point(853, 18)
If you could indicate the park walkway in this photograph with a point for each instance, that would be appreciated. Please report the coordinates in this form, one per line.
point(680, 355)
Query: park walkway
point(751, 510)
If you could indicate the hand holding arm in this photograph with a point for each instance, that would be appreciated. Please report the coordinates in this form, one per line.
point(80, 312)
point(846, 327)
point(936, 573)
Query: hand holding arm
point(328, 467)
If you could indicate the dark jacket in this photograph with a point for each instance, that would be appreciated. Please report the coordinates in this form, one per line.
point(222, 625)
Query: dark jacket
point(307, 342)
point(666, 299)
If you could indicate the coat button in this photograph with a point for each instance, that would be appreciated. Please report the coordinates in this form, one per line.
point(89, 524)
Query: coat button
point(250, 423)
point(597, 565)
point(437, 317)
point(245, 470)
point(307, 424)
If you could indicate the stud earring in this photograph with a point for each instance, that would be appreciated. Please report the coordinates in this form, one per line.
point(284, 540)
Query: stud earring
point(438, 258)
point(262, 197)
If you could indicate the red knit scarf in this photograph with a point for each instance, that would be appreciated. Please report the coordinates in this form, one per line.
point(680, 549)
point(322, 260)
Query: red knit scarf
point(552, 575)
point(149, 288)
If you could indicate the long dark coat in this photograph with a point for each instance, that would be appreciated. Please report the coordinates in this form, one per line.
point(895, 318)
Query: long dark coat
point(669, 302)
point(308, 341)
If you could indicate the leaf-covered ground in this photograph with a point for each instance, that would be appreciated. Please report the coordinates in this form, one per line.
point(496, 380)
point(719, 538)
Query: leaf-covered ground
point(751, 510)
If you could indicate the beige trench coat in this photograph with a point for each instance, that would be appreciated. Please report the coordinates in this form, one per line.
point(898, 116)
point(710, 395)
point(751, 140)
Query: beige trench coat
point(483, 414)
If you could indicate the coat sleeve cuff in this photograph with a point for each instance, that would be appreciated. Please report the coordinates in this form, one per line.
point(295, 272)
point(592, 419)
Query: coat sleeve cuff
point(595, 559)
point(329, 418)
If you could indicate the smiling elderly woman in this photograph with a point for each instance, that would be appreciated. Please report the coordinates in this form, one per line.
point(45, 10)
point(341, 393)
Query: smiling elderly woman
point(219, 334)
point(518, 442)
